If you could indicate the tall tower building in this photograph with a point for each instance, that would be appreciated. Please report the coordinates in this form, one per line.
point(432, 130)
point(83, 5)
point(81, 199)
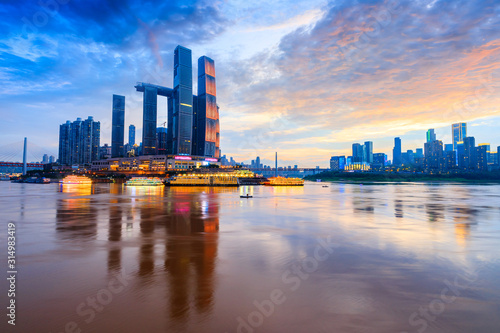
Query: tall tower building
point(180, 107)
point(118, 126)
point(79, 141)
point(397, 157)
point(149, 120)
point(368, 152)
point(458, 133)
point(64, 143)
point(206, 122)
point(431, 136)
point(131, 135)
point(470, 160)
point(357, 152)
point(90, 140)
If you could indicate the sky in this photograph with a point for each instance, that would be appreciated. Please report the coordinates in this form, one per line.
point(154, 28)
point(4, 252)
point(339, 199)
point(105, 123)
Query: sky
point(306, 79)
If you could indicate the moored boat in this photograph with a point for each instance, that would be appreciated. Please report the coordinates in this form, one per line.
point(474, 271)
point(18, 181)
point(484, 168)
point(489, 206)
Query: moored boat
point(74, 179)
point(144, 181)
point(283, 181)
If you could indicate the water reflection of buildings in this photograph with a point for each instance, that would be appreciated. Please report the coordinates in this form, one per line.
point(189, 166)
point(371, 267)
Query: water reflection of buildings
point(192, 224)
point(464, 218)
point(76, 214)
point(185, 221)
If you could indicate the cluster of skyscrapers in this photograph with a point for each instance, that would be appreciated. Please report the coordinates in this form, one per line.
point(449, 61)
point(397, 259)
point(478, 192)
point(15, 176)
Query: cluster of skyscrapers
point(193, 120)
point(462, 155)
point(79, 141)
point(192, 126)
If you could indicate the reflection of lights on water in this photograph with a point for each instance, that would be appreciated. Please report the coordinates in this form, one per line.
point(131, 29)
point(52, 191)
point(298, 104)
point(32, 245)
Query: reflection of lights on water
point(80, 189)
point(244, 190)
point(144, 190)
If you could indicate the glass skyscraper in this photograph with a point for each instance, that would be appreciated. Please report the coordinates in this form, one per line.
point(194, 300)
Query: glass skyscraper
point(149, 120)
point(206, 121)
point(181, 106)
point(118, 126)
point(397, 157)
point(131, 135)
point(431, 136)
point(458, 132)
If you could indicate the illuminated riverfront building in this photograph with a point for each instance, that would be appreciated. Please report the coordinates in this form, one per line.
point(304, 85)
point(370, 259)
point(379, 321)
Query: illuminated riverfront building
point(206, 136)
point(180, 107)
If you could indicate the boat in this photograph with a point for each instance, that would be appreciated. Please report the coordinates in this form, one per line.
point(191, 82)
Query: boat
point(144, 181)
point(74, 179)
point(325, 185)
point(203, 179)
point(246, 196)
point(283, 181)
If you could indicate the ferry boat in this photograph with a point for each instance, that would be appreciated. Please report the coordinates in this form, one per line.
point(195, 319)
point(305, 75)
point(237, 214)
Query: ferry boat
point(144, 181)
point(283, 181)
point(203, 179)
point(73, 179)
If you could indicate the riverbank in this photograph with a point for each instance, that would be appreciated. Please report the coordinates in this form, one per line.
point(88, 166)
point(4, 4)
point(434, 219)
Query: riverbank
point(398, 177)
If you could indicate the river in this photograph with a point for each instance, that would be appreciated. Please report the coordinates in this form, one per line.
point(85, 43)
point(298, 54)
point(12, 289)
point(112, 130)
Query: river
point(342, 258)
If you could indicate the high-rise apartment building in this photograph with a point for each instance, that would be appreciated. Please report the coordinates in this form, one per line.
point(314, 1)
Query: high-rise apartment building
point(470, 160)
point(434, 160)
point(458, 133)
point(118, 126)
point(79, 141)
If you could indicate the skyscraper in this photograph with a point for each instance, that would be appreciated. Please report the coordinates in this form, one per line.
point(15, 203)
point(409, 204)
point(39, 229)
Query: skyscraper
point(64, 143)
point(434, 159)
point(206, 116)
point(193, 121)
point(90, 141)
point(458, 133)
point(431, 136)
point(396, 152)
point(149, 120)
point(482, 157)
point(131, 135)
point(181, 105)
point(79, 141)
point(357, 152)
point(368, 152)
point(161, 141)
point(469, 153)
point(118, 126)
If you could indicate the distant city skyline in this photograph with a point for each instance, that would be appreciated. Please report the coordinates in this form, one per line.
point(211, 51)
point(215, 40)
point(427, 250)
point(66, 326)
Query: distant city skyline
point(306, 80)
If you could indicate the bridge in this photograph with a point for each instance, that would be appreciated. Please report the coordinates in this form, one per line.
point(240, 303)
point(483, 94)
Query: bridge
point(12, 154)
point(285, 172)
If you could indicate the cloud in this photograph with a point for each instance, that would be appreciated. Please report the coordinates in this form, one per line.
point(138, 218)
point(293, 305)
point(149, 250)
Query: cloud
point(373, 69)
